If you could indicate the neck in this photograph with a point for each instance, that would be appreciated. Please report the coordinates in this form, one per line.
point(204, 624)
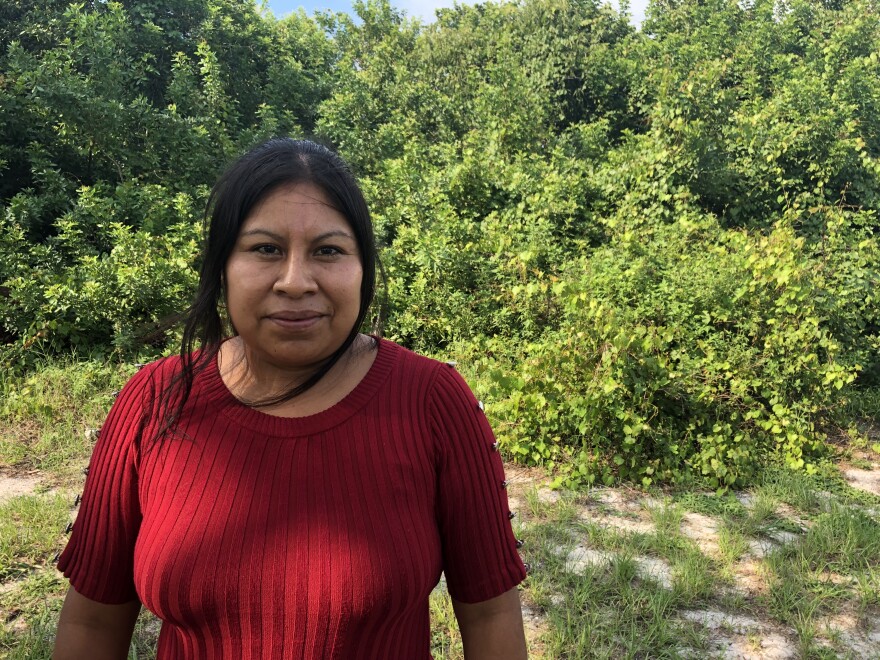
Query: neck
point(253, 379)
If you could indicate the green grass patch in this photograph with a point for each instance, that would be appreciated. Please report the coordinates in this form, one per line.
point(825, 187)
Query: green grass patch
point(667, 519)
point(695, 578)
point(36, 641)
point(30, 609)
point(831, 566)
point(812, 493)
point(37, 601)
point(867, 588)
point(44, 416)
point(612, 609)
point(31, 532)
point(796, 489)
point(732, 544)
point(445, 637)
point(797, 593)
point(610, 612)
point(845, 540)
point(710, 504)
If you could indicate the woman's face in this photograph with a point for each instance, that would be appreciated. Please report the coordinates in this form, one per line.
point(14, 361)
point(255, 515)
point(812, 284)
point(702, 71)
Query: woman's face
point(293, 279)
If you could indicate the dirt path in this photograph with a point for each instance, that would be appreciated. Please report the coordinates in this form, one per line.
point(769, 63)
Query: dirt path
point(15, 485)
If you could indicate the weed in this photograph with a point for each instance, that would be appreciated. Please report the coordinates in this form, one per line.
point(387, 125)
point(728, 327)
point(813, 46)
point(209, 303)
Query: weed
point(44, 415)
point(445, 637)
point(36, 641)
point(694, 578)
point(732, 544)
point(711, 504)
point(813, 493)
point(535, 507)
point(667, 519)
point(862, 404)
point(845, 538)
point(763, 511)
point(31, 527)
point(867, 590)
point(794, 488)
point(788, 594)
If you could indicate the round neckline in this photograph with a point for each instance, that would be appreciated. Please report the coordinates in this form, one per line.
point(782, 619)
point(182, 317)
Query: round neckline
point(256, 420)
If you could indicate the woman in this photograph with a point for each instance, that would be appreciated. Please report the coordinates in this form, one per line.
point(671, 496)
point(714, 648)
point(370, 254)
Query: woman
point(292, 488)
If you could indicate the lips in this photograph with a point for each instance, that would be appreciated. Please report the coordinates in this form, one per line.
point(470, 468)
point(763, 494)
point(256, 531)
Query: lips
point(304, 315)
point(296, 321)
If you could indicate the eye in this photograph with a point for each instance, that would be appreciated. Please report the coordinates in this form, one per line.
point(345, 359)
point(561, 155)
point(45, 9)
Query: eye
point(269, 250)
point(328, 251)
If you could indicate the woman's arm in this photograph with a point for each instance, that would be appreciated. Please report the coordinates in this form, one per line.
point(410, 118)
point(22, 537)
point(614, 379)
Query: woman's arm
point(492, 629)
point(89, 629)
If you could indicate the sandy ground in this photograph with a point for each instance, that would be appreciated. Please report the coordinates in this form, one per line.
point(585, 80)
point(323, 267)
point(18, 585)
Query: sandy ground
point(15, 485)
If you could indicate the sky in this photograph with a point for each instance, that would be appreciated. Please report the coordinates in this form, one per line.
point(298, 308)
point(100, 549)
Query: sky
point(424, 9)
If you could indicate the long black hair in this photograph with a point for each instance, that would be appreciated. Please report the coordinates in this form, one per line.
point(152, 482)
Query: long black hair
point(248, 181)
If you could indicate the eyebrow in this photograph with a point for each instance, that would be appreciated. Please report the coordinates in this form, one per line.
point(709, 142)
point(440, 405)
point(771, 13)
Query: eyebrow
point(279, 238)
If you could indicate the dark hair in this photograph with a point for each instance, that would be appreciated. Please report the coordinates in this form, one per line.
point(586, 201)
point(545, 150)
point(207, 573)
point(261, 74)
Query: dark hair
point(248, 181)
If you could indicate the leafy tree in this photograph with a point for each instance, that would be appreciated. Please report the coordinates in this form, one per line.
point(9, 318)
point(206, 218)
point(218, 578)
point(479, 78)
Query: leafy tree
point(653, 252)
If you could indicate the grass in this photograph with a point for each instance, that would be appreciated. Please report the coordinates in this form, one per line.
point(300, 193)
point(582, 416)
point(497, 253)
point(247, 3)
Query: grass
point(613, 609)
point(445, 638)
point(30, 530)
point(812, 542)
point(609, 611)
point(36, 641)
point(45, 417)
point(845, 539)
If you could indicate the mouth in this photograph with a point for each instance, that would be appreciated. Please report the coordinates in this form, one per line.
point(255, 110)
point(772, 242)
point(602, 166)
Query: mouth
point(306, 315)
point(295, 320)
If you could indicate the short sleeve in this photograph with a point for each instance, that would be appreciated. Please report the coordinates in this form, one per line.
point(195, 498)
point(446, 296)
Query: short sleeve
point(480, 558)
point(99, 556)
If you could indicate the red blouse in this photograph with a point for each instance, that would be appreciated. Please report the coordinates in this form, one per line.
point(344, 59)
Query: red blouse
point(255, 536)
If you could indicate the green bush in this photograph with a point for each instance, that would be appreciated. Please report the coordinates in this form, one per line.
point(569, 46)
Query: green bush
point(66, 294)
point(653, 251)
point(698, 353)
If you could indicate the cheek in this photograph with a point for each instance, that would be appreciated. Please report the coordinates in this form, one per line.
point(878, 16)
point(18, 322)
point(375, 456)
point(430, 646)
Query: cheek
point(353, 287)
point(235, 293)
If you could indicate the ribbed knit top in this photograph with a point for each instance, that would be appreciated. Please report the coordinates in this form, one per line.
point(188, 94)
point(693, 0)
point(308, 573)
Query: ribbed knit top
point(257, 536)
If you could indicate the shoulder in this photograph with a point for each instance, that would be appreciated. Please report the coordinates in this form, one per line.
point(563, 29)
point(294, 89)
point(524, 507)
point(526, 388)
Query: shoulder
point(150, 387)
point(438, 383)
point(406, 359)
point(423, 372)
point(152, 393)
point(153, 375)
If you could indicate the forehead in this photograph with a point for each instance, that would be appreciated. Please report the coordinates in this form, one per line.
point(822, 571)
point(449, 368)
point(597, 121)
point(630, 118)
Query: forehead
point(296, 206)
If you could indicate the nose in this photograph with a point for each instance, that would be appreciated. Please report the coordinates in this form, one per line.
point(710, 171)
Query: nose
point(295, 277)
